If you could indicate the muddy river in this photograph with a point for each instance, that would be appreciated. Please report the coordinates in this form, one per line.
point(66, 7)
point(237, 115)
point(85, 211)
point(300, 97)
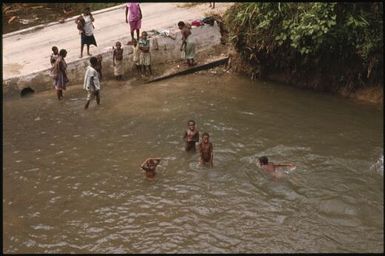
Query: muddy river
point(72, 181)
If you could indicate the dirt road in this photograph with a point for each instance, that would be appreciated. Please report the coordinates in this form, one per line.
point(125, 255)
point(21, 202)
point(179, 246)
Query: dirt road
point(27, 53)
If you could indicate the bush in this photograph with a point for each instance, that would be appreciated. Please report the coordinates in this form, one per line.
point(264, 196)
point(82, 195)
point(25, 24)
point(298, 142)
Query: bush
point(340, 42)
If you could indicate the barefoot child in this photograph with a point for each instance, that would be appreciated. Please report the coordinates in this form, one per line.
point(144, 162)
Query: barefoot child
point(149, 165)
point(269, 166)
point(206, 151)
point(117, 61)
point(92, 82)
point(191, 136)
point(145, 56)
point(135, 54)
point(99, 66)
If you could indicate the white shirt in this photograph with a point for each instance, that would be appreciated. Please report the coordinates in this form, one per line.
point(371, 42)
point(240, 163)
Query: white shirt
point(88, 27)
point(91, 73)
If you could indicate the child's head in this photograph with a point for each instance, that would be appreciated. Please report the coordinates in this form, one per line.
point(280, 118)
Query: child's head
point(181, 24)
point(63, 52)
point(55, 50)
point(205, 137)
point(151, 163)
point(263, 160)
point(118, 45)
point(93, 61)
point(87, 10)
point(144, 34)
point(191, 124)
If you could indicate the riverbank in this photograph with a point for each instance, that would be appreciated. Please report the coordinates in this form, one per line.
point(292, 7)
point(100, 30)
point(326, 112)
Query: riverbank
point(329, 47)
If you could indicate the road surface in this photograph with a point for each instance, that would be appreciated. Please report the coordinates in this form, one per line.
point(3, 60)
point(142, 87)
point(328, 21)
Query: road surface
point(27, 53)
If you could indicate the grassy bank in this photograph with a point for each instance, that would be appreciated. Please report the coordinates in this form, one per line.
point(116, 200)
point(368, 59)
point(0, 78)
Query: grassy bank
point(18, 16)
point(334, 47)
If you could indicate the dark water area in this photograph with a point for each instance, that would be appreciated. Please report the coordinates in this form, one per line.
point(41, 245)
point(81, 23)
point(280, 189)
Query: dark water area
point(72, 181)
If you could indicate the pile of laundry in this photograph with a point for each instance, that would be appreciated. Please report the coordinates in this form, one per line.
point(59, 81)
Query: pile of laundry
point(196, 23)
point(207, 20)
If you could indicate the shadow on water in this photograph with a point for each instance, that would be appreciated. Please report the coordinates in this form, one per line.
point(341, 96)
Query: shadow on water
point(72, 181)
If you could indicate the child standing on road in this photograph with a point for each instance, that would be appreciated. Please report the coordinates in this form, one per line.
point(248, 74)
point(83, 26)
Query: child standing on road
point(54, 55)
point(92, 82)
point(145, 56)
point(117, 61)
point(135, 54)
point(99, 66)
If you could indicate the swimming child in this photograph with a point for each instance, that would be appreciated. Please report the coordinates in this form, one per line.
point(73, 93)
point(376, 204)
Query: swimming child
point(149, 165)
point(117, 61)
point(206, 151)
point(191, 136)
point(145, 55)
point(135, 54)
point(54, 55)
point(269, 166)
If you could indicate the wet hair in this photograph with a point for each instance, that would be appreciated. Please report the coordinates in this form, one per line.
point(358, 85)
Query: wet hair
point(205, 134)
point(144, 33)
point(181, 24)
point(87, 9)
point(118, 43)
point(93, 61)
point(190, 121)
point(263, 160)
point(54, 48)
point(62, 52)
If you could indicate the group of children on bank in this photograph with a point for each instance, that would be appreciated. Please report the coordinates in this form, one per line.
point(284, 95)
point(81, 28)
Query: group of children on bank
point(206, 153)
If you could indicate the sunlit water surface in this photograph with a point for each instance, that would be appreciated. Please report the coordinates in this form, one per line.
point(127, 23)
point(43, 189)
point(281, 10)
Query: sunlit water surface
point(72, 181)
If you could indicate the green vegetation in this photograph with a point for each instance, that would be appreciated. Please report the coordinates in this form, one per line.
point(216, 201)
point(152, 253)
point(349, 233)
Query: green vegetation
point(328, 46)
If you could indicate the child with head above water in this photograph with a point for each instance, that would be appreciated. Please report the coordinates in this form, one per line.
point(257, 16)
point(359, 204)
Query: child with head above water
point(206, 151)
point(191, 136)
point(149, 165)
point(271, 167)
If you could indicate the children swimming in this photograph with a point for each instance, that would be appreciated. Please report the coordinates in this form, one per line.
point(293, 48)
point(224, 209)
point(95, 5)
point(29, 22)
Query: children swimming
point(271, 167)
point(149, 165)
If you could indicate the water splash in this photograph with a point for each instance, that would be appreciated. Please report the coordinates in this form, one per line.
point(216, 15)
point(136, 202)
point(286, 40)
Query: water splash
point(378, 166)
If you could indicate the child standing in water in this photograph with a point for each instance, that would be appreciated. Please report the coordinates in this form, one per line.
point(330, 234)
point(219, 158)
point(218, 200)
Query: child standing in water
point(149, 165)
point(54, 55)
point(145, 56)
point(269, 166)
point(191, 136)
point(206, 151)
point(92, 82)
point(117, 61)
point(135, 54)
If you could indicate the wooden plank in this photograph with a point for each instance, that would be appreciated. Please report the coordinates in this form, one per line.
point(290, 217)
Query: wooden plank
point(209, 65)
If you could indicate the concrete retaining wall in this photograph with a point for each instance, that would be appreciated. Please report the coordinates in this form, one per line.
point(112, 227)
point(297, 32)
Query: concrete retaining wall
point(205, 37)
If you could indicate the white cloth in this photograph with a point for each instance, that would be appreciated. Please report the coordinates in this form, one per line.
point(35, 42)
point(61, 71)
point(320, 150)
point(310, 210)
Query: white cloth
point(135, 54)
point(91, 73)
point(88, 27)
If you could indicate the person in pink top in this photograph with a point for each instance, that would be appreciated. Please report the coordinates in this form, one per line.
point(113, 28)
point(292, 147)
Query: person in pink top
point(134, 19)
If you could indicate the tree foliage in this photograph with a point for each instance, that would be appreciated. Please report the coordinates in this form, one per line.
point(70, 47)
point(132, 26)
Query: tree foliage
point(342, 40)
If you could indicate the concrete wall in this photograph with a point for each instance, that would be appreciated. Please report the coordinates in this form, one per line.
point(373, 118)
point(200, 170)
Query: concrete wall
point(205, 37)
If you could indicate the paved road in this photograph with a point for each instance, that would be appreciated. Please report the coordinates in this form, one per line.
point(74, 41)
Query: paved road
point(26, 53)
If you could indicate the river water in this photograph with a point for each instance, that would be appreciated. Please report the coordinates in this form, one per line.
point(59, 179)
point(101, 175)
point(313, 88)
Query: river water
point(72, 182)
